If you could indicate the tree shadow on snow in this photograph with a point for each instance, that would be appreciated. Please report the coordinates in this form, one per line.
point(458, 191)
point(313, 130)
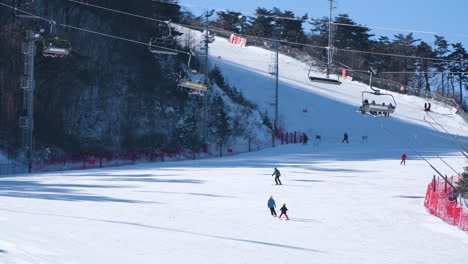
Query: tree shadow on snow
point(195, 194)
point(57, 192)
point(309, 180)
point(160, 228)
point(131, 179)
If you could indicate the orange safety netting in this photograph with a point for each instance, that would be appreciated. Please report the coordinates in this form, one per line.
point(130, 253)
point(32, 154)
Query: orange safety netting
point(442, 202)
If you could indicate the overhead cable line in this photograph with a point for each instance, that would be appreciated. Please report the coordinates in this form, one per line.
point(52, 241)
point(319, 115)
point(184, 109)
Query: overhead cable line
point(421, 156)
point(319, 21)
point(215, 29)
point(437, 155)
point(91, 31)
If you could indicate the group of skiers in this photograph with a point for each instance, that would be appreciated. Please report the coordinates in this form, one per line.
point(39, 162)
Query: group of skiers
point(277, 175)
point(272, 206)
point(271, 201)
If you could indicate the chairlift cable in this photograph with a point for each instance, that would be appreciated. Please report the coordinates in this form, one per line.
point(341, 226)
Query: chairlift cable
point(320, 21)
point(91, 31)
point(421, 156)
point(456, 139)
point(215, 29)
point(437, 155)
point(436, 129)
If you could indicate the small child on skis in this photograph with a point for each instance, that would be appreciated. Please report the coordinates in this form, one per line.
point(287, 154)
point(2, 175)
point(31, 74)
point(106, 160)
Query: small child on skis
point(283, 210)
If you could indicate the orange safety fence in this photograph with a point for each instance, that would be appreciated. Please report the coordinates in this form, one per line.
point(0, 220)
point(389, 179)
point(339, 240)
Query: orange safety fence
point(442, 201)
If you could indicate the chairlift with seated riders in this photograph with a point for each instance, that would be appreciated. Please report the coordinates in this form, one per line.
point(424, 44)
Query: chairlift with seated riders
point(55, 47)
point(380, 106)
point(320, 79)
point(197, 87)
point(163, 44)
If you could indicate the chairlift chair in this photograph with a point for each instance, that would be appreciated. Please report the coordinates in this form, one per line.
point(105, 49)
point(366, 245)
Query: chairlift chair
point(378, 107)
point(322, 80)
point(197, 88)
point(163, 44)
point(193, 85)
point(55, 47)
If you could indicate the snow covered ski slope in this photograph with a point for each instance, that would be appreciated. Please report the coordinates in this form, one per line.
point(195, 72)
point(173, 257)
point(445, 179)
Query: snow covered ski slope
point(348, 203)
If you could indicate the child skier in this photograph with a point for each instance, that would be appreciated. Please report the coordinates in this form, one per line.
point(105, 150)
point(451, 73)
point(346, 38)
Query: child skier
point(277, 174)
point(272, 205)
point(283, 211)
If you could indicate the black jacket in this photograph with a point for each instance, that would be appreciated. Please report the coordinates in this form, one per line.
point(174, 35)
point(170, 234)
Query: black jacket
point(283, 209)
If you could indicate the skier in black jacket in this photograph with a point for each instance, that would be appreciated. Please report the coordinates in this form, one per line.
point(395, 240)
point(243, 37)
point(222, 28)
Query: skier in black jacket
point(283, 210)
point(345, 138)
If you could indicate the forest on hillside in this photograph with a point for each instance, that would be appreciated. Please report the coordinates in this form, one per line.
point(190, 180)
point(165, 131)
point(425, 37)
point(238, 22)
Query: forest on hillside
point(109, 94)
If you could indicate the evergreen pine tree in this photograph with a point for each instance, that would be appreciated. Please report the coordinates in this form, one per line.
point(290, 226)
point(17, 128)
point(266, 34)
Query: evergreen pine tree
point(220, 123)
point(424, 66)
point(261, 26)
point(462, 183)
point(229, 20)
point(440, 51)
point(459, 54)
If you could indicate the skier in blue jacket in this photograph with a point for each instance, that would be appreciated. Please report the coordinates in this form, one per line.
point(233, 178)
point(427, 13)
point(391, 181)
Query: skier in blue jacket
point(272, 205)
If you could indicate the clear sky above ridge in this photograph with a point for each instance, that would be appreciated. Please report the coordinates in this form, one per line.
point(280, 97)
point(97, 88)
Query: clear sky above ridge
point(450, 16)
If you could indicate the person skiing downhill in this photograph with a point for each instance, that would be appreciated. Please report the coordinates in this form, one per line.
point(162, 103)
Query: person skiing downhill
point(283, 210)
point(403, 159)
point(272, 205)
point(345, 138)
point(277, 175)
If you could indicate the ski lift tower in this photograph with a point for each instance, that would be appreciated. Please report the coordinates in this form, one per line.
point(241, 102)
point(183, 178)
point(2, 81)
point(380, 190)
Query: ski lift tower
point(206, 43)
point(274, 70)
point(330, 41)
point(28, 86)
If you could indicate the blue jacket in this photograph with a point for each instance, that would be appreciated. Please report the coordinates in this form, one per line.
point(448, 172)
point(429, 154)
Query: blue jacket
point(271, 203)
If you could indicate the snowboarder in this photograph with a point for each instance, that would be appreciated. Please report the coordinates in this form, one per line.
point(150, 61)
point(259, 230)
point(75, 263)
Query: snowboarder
point(283, 210)
point(403, 159)
point(345, 138)
point(306, 138)
point(277, 174)
point(272, 205)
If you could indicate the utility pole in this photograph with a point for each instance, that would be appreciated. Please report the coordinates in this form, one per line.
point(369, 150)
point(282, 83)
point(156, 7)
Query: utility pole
point(330, 44)
point(276, 84)
point(207, 69)
point(28, 85)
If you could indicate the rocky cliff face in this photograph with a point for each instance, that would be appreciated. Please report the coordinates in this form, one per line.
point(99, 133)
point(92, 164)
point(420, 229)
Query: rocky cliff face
point(108, 94)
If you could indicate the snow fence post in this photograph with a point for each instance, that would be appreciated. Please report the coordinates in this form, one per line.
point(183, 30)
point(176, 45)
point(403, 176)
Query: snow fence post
point(221, 149)
point(249, 144)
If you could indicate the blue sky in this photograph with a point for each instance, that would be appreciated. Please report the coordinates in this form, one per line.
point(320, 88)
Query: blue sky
point(449, 16)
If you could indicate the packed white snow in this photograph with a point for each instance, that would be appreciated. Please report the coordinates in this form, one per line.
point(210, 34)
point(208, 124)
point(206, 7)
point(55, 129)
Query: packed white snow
point(348, 203)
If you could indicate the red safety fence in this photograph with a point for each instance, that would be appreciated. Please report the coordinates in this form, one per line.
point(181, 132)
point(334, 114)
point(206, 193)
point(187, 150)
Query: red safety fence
point(129, 157)
point(442, 201)
point(237, 40)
